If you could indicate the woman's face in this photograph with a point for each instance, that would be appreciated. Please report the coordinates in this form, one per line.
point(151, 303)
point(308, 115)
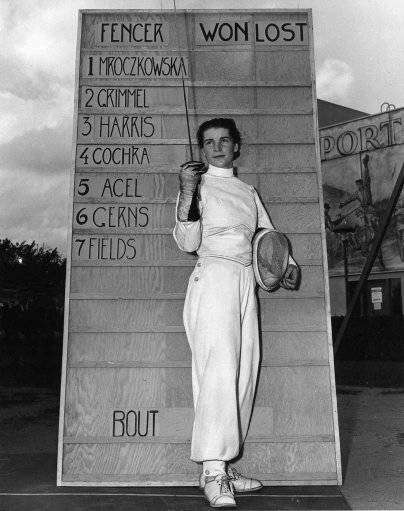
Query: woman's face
point(219, 148)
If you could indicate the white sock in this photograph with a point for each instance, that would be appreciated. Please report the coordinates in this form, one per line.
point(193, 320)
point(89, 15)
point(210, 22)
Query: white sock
point(214, 467)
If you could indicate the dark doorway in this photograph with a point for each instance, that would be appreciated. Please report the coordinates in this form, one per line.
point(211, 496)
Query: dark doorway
point(380, 297)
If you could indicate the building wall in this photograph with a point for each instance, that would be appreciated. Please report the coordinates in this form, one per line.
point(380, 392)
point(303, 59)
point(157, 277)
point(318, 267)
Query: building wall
point(337, 290)
point(361, 160)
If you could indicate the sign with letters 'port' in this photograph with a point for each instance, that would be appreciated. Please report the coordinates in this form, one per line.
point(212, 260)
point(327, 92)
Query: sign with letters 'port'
point(126, 399)
point(361, 161)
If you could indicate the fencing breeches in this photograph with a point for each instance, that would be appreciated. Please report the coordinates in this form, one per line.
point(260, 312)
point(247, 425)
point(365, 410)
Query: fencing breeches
point(220, 319)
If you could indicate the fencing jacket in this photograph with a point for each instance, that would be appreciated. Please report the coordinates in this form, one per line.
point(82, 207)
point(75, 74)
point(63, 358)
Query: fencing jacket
point(231, 211)
point(220, 312)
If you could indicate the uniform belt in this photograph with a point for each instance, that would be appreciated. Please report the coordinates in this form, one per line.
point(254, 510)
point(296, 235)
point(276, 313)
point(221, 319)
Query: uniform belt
point(234, 260)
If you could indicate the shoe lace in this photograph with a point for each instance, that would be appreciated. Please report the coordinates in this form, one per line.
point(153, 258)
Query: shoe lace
point(225, 484)
point(233, 474)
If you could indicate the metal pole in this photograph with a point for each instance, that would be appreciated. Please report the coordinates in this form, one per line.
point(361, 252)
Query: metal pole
point(183, 84)
point(377, 241)
point(345, 245)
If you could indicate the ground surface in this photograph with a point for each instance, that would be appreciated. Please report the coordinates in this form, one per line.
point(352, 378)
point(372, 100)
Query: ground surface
point(372, 445)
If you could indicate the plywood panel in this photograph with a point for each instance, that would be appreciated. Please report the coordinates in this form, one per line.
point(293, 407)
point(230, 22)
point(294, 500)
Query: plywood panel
point(130, 65)
point(254, 158)
point(224, 66)
point(207, 98)
point(291, 66)
point(128, 187)
point(306, 247)
point(131, 156)
point(223, 29)
point(93, 395)
point(285, 100)
point(125, 249)
point(174, 426)
point(241, 30)
point(297, 397)
point(146, 250)
point(286, 157)
point(174, 127)
point(300, 399)
point(126, 407)
point(165, 425)
point(158, 315)
point(166, 282)
point(153, 30)
point(128, 459)
point(123, 218)
point(126, 282)
point(307, 461)
point(281, 29)
point(292, 218)
point(160, 348)
point(116, 128)
point(308, 458)
point(276, 129)
point(130, 218)
point(164, 349)
point(284, 348)
point(288, 187)
point(162, 425)
point(264, 158)
point(262, 129)
point(293, 315)
point(144, 100)
point(125, 99)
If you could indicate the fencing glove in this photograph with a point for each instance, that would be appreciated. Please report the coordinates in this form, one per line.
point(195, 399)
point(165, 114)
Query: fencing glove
point(190, 177)
point(291, 278)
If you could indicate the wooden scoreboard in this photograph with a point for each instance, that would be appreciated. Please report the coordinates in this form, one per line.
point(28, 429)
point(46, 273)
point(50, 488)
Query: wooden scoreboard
point(126, 398)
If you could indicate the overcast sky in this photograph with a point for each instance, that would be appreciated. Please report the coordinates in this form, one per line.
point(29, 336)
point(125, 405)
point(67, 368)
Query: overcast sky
point(359, 63)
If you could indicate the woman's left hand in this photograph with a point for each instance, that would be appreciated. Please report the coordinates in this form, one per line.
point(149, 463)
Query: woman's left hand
point(291, 278)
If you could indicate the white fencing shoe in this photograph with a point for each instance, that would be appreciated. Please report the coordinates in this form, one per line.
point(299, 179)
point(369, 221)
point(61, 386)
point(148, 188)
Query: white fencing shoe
point(241, 483)
point(218, 491)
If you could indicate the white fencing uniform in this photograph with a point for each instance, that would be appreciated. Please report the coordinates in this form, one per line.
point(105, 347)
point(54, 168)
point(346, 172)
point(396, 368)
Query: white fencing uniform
point(220, 312)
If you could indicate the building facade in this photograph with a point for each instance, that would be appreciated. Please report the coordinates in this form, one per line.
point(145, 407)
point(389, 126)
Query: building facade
point(361, 158)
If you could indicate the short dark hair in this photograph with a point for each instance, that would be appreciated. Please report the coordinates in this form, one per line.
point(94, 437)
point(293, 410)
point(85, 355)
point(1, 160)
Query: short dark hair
point(220, 122)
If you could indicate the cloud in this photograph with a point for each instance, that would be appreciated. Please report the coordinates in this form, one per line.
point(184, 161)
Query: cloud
point(44, 151)
point(15, 81)
point(334, 80)
point(38, 41)
point(19, 115)
point(39, 36)
point(36, 66)
point(34, 207)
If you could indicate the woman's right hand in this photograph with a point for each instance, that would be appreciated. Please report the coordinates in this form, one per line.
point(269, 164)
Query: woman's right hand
point(190, 176)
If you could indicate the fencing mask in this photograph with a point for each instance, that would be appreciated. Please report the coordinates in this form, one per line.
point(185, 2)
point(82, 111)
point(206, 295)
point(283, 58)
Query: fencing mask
point(270, 258)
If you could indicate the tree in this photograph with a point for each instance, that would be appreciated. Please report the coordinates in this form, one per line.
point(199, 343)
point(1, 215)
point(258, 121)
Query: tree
point(29, 273)
point(32, 280)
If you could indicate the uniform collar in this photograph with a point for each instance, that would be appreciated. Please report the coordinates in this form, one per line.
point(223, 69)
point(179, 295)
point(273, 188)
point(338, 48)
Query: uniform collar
point(218, 172)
